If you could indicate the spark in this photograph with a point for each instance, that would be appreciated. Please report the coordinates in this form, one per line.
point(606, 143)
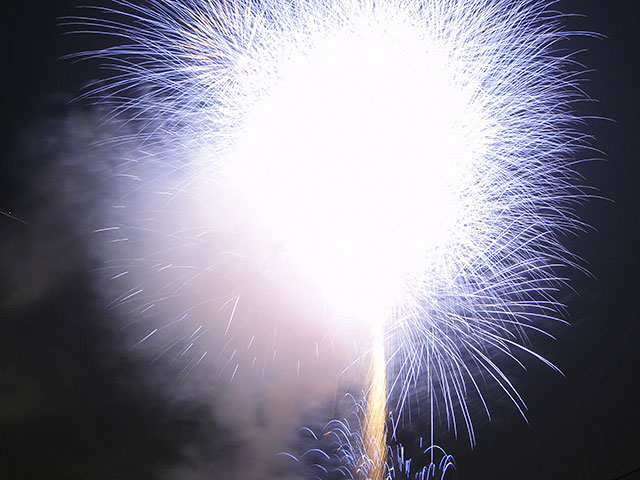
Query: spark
point(13, 216)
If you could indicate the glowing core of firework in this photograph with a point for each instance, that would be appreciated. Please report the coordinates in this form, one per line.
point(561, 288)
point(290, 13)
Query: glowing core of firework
point(358, 156)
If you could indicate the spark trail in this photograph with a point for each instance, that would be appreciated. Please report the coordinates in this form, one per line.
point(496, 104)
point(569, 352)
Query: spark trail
point(410, 158)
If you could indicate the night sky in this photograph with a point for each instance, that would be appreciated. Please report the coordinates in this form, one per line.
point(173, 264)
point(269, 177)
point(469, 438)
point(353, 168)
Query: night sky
point(78, 402)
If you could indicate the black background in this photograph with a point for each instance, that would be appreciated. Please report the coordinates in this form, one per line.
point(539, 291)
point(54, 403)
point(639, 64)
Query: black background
point(65, 412)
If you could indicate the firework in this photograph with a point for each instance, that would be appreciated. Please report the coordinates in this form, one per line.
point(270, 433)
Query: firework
point(407, 161)
point(341, 450)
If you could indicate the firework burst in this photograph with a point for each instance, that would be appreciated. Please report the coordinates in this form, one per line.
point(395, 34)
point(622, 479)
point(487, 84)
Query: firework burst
point(409, 159)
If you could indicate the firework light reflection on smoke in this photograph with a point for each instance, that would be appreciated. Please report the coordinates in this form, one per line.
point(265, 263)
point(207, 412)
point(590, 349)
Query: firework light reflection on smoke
point(410, 159)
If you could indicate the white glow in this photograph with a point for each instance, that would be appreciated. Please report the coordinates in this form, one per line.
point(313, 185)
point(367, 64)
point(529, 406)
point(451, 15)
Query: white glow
point(358, 156)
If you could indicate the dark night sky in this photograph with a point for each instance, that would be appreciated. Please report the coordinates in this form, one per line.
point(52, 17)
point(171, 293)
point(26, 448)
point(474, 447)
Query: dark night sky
point(78, 405)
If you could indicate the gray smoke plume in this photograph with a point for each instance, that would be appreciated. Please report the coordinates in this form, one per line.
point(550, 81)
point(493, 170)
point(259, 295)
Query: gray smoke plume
point(141, 339)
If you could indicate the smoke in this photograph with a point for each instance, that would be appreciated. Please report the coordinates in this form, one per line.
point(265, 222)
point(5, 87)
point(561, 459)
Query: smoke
point(90, 391)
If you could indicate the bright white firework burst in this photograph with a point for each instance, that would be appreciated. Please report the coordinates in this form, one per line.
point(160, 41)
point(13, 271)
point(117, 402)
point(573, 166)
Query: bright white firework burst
point(411, 157)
